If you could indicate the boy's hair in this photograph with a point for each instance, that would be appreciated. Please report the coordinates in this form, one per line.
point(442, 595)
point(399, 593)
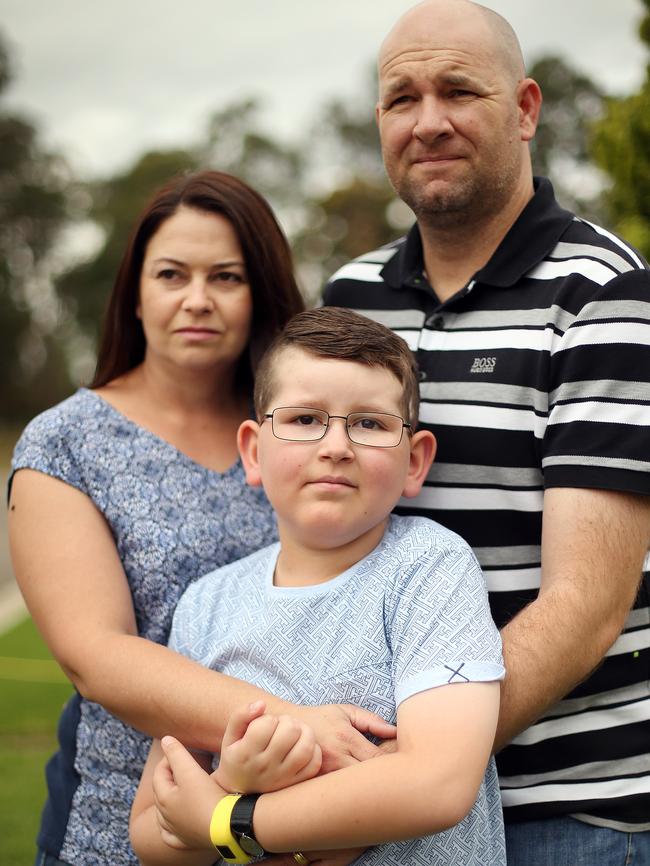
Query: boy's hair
point(334, 332)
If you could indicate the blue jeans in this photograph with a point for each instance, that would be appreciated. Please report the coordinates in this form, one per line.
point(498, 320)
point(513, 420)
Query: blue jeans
point(43, 859)
point(568, 842)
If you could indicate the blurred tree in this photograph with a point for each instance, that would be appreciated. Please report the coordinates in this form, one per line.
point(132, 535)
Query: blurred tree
point(621, 146)
point(560, 149)
point(357, 210)
point(115, 204)
point(33, 210)
point(235, 143)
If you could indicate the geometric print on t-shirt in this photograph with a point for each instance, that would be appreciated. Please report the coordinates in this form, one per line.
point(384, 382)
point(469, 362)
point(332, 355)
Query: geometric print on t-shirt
point(410, 616)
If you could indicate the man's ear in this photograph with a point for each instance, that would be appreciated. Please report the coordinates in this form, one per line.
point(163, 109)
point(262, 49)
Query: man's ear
point(247, 441)
point(423, 450)
point(529, 100)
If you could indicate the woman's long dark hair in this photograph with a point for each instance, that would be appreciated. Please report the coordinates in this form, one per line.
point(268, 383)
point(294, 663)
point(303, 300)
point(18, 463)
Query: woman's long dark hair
point(266, 254)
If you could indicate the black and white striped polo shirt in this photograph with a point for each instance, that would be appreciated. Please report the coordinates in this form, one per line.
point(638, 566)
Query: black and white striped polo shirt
point(536, 375)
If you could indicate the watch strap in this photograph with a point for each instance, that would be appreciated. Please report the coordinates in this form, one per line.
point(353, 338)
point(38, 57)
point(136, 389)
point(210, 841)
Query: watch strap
point(241, 822)
point(221, 835)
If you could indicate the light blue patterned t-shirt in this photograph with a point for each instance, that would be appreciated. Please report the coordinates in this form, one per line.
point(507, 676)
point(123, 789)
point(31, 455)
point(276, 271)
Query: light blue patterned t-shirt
point(172, 520)
point(411, 616)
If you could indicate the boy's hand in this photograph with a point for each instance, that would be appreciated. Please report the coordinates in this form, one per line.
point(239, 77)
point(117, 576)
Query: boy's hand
point(185, 797)
point(262, 752)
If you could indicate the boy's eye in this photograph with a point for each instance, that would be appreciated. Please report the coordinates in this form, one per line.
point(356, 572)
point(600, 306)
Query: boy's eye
point(368, 422)
point(306, 420)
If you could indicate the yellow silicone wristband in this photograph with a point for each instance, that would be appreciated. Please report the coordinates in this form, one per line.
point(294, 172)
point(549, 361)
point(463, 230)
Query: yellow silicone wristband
point(221, 835)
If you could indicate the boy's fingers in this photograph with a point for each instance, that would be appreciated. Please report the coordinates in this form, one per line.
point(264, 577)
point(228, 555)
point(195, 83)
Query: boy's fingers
point(310, 769)
point(181, 763)
point(286, 736)
point(259, 734)
point(239, 721)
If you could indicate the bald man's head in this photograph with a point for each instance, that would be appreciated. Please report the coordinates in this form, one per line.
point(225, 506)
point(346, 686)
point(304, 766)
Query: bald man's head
point(431, 16)
point(456, 112)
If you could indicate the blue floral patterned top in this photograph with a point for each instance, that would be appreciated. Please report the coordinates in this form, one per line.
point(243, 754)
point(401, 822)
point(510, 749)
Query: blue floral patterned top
point(173, 520)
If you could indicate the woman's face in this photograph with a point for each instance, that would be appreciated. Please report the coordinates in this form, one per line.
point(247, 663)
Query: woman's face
point(195, 302)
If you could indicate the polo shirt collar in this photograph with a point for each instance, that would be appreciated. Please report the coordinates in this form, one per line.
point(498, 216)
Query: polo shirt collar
point(535, 232)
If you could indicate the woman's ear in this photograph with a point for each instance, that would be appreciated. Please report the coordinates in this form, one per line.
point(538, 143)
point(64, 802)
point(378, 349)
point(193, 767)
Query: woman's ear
point(247, 439)
point(423, 450)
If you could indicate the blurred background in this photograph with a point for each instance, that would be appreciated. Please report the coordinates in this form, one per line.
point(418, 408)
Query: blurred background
point(100, 103)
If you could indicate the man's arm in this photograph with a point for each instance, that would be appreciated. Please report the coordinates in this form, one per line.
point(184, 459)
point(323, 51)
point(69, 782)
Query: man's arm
point(593, 546)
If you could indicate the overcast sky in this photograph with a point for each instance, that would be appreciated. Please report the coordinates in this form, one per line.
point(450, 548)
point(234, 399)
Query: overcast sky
point(106, 80)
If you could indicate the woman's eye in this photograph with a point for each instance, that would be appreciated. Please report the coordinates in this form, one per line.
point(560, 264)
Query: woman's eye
point(167, 274)
point(228, 277)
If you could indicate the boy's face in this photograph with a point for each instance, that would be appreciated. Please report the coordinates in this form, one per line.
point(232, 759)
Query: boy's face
point(330, 492)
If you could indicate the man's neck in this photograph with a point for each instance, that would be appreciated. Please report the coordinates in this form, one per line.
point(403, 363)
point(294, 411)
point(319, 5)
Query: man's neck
point(453, 253)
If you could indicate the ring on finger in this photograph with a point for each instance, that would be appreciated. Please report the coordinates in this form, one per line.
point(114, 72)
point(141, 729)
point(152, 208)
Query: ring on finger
point(300, 858)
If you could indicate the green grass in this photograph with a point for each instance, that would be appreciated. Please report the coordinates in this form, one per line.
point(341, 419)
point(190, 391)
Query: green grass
point(33, 691)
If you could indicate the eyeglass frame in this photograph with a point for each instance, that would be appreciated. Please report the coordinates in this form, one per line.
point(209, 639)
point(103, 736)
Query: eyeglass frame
point(405, 425)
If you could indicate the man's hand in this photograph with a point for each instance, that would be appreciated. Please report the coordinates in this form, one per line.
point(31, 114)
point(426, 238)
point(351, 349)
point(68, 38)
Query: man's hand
point(340, 857)
point(339, 730)
point(262, 752)
point(185, 796)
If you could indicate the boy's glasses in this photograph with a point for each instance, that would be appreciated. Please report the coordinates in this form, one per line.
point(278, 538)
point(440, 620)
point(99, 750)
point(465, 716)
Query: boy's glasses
point(302, 424)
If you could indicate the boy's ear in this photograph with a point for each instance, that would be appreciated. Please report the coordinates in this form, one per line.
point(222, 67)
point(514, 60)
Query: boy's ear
point(423, 450)
point(247, 440)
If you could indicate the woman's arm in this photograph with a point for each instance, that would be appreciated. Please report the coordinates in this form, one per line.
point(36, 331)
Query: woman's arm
point(70, 574)
point(429, 784)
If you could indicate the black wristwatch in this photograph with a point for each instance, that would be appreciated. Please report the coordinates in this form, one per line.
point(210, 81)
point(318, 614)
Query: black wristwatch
point(241, 825)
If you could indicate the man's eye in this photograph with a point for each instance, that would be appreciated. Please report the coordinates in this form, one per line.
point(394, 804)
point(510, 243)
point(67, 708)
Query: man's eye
point(403, 99)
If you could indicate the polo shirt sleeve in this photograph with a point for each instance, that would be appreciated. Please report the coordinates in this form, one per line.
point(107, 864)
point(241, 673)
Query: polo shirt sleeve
point(599, 395)
point(437, 616)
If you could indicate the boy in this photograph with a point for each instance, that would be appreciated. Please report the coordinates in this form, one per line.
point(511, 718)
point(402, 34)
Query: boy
point(353, 606)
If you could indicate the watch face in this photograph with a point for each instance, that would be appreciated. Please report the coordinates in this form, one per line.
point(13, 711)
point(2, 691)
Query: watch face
point(250, 846)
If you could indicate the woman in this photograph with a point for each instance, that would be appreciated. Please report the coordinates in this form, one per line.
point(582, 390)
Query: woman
point(125, 493)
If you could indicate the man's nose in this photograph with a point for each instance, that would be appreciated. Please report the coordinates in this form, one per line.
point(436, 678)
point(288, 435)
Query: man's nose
point(432, 119)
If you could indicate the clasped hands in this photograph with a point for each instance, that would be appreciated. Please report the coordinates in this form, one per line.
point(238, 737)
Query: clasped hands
point(260, 753)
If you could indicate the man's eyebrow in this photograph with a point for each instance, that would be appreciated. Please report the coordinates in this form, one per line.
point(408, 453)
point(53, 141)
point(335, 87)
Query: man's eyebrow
point(395, 86)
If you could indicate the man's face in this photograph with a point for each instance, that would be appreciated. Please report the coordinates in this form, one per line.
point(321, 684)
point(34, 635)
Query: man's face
point(449, 118)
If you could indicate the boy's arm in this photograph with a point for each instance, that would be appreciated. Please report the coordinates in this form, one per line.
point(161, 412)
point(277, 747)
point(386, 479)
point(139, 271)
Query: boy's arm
point(430, 783)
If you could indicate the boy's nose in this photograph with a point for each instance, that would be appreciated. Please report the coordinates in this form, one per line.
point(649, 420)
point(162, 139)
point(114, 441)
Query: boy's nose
point(336, 443)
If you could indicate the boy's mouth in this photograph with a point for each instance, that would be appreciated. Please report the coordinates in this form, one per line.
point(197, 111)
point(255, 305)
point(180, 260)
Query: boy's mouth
point(334, 480)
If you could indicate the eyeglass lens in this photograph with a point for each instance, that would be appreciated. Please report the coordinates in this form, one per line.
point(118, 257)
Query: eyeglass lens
point(302, 424)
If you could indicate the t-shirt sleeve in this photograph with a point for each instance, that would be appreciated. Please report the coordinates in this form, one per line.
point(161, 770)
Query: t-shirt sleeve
point(438, 617)
point(599, 394)
point(187, 631)
point(47, 445)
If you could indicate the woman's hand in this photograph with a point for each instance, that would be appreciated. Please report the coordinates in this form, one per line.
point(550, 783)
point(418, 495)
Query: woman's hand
point(264, 752)
point(185, 796)
point(339, 728)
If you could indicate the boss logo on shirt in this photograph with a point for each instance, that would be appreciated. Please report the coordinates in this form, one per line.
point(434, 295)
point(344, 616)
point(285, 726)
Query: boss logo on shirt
point(483, 365)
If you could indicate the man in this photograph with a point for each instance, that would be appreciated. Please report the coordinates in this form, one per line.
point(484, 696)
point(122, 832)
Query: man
point(532, 332)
